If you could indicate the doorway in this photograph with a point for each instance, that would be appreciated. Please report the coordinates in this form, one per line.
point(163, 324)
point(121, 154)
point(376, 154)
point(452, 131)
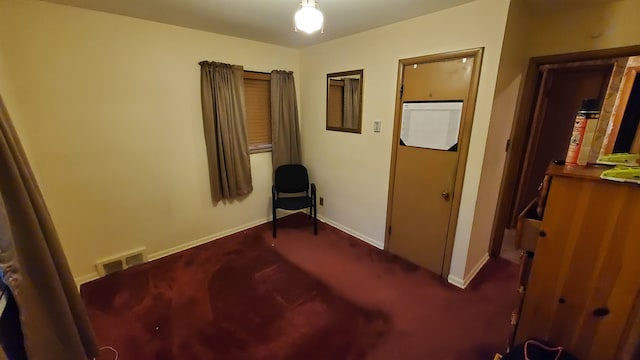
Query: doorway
point(435, 102)
point(552, 91)
point(563, 87)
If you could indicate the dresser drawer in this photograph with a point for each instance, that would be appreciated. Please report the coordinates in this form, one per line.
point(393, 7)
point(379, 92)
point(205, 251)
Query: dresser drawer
point(528, 228)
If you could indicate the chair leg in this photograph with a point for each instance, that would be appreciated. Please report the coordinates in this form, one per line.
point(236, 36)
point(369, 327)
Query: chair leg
point(315, 220)
point(273, 221)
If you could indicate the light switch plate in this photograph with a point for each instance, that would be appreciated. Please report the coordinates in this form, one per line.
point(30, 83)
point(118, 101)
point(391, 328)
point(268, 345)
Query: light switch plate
point(377, 125)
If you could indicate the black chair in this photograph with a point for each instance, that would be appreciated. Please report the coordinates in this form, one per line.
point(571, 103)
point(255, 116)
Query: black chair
point(293, 179)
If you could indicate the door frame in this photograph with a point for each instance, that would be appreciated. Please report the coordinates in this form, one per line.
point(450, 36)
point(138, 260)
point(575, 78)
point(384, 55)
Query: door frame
point(520, 131)
point(464, 137)
point(546, 79)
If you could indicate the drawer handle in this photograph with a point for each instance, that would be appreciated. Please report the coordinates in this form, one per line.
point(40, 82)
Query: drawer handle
point(543, 233)
point(601, 312)
point(562, 300)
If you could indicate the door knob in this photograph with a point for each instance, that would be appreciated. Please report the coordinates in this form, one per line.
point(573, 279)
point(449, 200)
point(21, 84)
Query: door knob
point(445, 195)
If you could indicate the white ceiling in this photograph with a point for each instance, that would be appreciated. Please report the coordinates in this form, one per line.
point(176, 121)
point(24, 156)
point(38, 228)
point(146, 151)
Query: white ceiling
point(271, 21)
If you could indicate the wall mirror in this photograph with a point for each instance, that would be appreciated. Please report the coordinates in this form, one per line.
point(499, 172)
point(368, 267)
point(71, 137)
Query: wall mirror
point(344, 101)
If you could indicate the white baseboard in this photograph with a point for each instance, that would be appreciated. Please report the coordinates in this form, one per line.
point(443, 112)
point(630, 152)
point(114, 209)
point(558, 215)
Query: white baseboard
point(86, 278)
point(351, 232)
point(454, 280)
point(476, 269)
point(206, 239)
point(188, 245)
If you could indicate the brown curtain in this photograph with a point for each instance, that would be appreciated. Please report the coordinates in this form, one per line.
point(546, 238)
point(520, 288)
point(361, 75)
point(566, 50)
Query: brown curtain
point(351, 103)
point(54, 320)
point(225, 130)
point(285, 137)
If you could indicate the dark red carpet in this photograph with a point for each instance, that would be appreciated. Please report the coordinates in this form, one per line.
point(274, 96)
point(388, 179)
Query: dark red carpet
point(308, 297)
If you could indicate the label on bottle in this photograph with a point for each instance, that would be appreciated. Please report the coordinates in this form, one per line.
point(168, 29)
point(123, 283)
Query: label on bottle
point(587, 139)
point(577, 135)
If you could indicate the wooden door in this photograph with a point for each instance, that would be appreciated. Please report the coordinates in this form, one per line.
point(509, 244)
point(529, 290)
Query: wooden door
point(584, 280)
point(425, 182)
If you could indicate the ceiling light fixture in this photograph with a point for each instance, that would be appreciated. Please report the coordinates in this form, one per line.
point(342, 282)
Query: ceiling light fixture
point(309, 18)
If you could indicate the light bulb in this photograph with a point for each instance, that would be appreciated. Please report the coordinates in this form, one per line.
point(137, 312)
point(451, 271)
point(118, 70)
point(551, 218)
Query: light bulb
point(309, 19)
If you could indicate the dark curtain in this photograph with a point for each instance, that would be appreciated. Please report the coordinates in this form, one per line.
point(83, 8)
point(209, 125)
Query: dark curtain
point(351, 103)
point(225, 130)
point(53, 317)
point(285, 137)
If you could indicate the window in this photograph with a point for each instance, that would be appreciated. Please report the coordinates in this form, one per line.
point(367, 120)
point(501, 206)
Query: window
point(257, 92)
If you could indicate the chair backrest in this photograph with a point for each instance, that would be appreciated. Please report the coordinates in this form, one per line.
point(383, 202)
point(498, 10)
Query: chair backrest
point(292, 178)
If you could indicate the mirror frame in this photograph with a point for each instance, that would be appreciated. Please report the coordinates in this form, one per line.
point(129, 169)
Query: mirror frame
point(357, 130)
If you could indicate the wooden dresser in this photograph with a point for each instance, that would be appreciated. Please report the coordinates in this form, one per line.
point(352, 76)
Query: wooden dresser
point(584, 288)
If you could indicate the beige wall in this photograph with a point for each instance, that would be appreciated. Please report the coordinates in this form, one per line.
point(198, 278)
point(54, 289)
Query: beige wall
point(6, 90)
point(529, 34)
point(110, 106)
point(592, 27)
point(4, 71)
point(6, 86)
point(352, 171)
point(513, 62)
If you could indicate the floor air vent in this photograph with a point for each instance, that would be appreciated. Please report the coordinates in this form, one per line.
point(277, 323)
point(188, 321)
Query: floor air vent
point(134, 259)
point(112, 266)
point(121, 261)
